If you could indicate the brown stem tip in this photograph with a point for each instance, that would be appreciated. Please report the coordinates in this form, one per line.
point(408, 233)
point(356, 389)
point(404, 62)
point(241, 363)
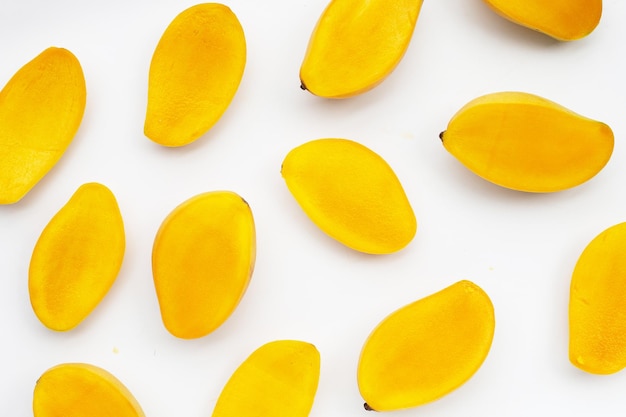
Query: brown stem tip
point(367, 407)
point(441, 135)
point(302, 86)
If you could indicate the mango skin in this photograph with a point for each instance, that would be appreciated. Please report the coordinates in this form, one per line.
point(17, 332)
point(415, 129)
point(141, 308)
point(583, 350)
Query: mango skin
point(426, 349)
point(202, 261)
point(351, 194)
point(527, 143)
point(194, 73)
point(77, 258)
point(81, 389)
point(356, 44)
point(597, 304)
point(41, 109)
point(278, 379)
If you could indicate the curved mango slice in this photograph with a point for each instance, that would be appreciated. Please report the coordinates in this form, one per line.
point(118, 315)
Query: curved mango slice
point(195, 71)
point(77, 258)
point(356, 45)
point(426, 349)
point(202, 262)
point(278, 379)
point(527, 143)
point(41, 108)
point(597, 307)
point(350, 193)
point(79, 390)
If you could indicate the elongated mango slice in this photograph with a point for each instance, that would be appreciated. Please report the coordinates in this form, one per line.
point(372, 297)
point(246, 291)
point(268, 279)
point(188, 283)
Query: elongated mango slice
point(77, 258)
point(278, 379)
point(202, 261)
point(351, 194)
point(195, 71)
point(81, 389)
point(41, 108)
point(597, 304)
point(527, 143)
point(356, 44)
point(426, 349)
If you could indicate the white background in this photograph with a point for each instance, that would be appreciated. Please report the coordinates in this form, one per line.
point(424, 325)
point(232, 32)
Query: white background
point(520, 248)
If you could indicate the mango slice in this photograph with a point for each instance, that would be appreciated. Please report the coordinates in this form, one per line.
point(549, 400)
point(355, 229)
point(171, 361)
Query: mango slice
point(351, 194)
point(356, 44)
point(278, 379)
point(41, 108)
point(564, 20)
point(202, 261)
point(597, 304)
point(77, 258)
point(81, 389)
point(426, 349)
point(527, 143)
point(195, 71)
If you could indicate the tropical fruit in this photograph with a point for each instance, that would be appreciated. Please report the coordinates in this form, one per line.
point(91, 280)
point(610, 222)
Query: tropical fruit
point(356, 44)
point(202, 260)
point(79, 390)
point(195, 71)
point(527, 143)
point(77, 258)
point(426, 349)
point(278, 379)
point(597, 304)
point(41, 108)
point(351, 194)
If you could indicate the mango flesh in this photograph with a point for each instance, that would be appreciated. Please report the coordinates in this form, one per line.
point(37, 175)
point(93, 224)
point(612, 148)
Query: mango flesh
point(597, 304)
point(202, 261)
point(356, 44)
point(279, 379)
point(195, 71)
point(41, 108)
point(564, 20)
point(77, 258)
point(79, 390)
point(426, 349)
point(351, 194)
point(527, 143)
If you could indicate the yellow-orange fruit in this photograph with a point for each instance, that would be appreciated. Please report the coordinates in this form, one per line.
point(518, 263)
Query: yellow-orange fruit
point(202, 261)
point(426, 349)
point(195, 71)
point(77, 258)
point(41, 108)
point(351, 194)
point(527, 143)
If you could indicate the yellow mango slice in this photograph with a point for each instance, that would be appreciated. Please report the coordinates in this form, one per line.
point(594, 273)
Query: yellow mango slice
point(426, 349)
point(77, 258)
point(564, 20)
point(351, 194)
point(279, 379)
point(597, 304)
point(527, 143)
point(356, 44)
point(80, 390)
point(195, 71)
point(202, 261)
point(41, 108)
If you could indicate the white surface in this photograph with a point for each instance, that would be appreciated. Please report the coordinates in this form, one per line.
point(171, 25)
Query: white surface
point(520, 248)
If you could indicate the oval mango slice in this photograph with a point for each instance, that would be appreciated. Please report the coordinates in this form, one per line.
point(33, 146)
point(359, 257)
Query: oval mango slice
point(77, 258)
point(356, 45)
point(202, 261)
point(79, 390)
point(195, 71)
point(278, 379)
point(597, 310)
point(351, 194)
point(527, 143)
point(41, 108)
point(426, 349)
